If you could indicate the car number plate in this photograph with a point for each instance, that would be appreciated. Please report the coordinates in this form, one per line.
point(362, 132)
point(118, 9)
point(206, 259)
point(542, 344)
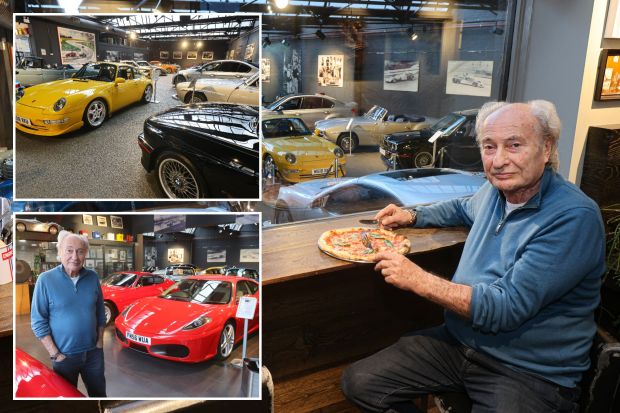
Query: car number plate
point(138, 339)
point(321, 171)
point(382, 151)
point(25, 121)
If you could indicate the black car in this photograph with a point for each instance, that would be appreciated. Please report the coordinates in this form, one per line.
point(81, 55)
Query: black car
point(203, 150)
point(456, 147)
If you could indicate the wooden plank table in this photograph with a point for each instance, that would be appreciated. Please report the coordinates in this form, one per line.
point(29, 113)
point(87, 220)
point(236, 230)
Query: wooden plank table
point(6, 309)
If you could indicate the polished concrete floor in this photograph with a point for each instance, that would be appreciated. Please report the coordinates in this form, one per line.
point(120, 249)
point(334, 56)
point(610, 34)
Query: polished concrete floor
point(133, 374)
point(92, 164)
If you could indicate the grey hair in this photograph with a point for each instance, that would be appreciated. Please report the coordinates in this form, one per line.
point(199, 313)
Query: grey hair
point(545, 113)
point(63, 235)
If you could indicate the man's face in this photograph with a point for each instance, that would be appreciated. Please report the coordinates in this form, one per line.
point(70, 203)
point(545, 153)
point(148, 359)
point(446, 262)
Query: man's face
point(513, 153)
point(73, 255)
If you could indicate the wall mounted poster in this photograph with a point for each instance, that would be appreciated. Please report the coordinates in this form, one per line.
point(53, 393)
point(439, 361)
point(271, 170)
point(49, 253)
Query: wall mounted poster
point(249, 51)
point(164, 54)
point(265, 70)
point(292, 72)
point(608, 79)
point(76, 47)
point(102, 221)
point(216, 255)
point(330, 70)
point(612, 26)
point(192, 55)
point(249, 255)
point(471, 78)
point(150, 256)
point(401, 75)
point(112, 55)
point(87, 219)
point(230, 54)
point(177, 54)
point(176, 255)
point(207, 55)
point(116, 222)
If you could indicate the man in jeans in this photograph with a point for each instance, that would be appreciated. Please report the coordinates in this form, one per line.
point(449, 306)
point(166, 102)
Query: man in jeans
point(519, 310)
point(68, 316)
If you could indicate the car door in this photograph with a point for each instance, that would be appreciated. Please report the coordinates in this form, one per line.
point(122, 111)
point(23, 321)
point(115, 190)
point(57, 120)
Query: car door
point(246, 94)
point(311, 109)
point(137, 86)
point(122, 93)
point(246, 288)
point(291, 106)
point(461, 150)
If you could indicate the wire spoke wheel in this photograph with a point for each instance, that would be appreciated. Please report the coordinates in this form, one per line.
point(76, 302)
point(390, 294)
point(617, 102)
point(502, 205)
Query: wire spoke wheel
point(177, 180)
point(423, 159)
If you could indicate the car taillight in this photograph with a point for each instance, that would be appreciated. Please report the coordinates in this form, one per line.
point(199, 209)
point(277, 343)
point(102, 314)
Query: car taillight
point(354, 111)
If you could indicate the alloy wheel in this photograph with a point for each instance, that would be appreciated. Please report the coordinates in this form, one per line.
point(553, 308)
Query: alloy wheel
point(96, 112)
point(227, 340)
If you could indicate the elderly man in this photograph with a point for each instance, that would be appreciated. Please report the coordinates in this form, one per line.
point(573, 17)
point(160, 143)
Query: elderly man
point(519, 310)
point(68, 316)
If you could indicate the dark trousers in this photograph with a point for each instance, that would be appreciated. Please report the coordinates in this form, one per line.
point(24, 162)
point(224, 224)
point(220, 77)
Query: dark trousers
point(89, 365)
point(432, 361)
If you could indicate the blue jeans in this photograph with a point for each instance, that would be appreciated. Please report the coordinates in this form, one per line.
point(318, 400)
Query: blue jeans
point(89, 365)
point(432, 361)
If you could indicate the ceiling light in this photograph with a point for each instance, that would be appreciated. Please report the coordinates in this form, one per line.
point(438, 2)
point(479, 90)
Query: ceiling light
point(132, 35)
point(412, 34)
point(319, 33)
point(184, 44)
point(70, 6)
point(281, 3)
point(199, 44)
point(107, 27)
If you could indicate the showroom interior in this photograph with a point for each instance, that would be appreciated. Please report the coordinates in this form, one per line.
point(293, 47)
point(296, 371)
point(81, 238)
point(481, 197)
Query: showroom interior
point(121, 247)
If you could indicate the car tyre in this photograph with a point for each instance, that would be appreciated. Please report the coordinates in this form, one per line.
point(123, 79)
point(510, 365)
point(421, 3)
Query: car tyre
point(423, 160)
point(95, 113)
point(178, 79)
point(110, 312)
point(195, 98)
point(268, 164)
point(148, 94)
point(227, 341)
point(20, 227)
point(178, 178)
point(343, 141)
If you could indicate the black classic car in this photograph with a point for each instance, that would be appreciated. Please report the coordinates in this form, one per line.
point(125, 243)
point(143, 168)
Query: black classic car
point(203, 151)
point(455, 148)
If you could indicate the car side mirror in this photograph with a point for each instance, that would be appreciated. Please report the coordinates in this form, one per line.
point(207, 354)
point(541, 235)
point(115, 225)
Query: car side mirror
point(119, 80)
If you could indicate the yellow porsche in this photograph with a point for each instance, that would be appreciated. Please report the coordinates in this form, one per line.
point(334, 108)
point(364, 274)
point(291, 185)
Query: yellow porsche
point(291, 152)
point(86, 99)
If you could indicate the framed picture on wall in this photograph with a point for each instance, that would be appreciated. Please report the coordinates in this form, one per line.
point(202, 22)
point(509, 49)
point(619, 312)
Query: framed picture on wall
point(90, 264)
point(608, 77)
point(164, 54)
point(207, 55)
point(469, 77)
point(249, 255)
point(176, 255)
point(102, 221)
point(192, 55)
point(216, 255)
point(116, 222)
point(265, 70)
point(249, 51)
point(401, 75)
point(177, 54)
point(330, 70)
point(122, 255)
point(612, 26)
point(87, 219)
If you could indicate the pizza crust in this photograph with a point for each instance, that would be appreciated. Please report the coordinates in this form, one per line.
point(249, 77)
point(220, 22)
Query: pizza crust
point(345, 243)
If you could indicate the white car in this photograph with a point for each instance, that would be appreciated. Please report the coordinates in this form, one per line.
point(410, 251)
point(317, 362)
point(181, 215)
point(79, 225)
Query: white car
point(146, 71)
point(220, 69)
point(239, 91)
point(35, 225)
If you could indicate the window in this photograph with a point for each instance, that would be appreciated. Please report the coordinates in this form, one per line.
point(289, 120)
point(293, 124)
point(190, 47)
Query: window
point(326, 103)
point(311, 102)
point(357, 198)
point(243, 68)
point(229, 67)
point(290, 104)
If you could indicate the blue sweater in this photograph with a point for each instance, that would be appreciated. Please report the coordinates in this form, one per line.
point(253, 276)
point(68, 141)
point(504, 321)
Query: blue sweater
point(535, 274)
point(69, 313)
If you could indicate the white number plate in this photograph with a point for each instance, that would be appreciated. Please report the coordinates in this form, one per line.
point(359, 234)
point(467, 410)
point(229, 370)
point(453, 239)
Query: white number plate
point(138, 339)
point(25, 121)
point(321, 171)
point(382, 151)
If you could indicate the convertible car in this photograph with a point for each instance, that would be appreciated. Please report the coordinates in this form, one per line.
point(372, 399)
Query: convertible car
point(193, 321)
point(240, 91)
point(220, 69)
point(203, 150)
point(123, 288)
point(291, 151)
point(368, 129)
point(88, 98)
point(35, 379)
point(33, 71)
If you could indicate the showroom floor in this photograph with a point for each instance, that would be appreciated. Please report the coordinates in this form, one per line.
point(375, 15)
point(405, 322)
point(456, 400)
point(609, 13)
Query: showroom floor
point(100, 163)
point(136, 375)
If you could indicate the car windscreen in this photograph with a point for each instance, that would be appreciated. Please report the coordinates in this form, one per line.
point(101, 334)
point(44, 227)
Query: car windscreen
point(447, 123)
point(281, 127)
point(97, 71)
point(200, 291)
point(120, 279)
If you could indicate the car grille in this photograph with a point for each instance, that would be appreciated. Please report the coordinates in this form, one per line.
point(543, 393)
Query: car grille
point(171, 350)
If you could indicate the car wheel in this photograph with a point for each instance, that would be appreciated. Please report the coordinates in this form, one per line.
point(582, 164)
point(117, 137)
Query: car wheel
point(20, 226)
point(344, 141)
point(195, 98)
point(53, 230)
point(269, 167)
point(110, 312)
point(95, 113)
point(178, 79)
point(178, 178)
point(227, 341)
point(423, 160)
point(162, 72)
point(148, 94)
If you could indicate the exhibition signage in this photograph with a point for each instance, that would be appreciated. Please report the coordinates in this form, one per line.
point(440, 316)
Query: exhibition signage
point(245, 310)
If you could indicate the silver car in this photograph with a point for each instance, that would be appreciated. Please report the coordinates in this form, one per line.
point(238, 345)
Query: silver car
point(220, 69)
point(145, 70)
point(239, 91)
point(32, 71)
point(311, 108)
point(339, 196)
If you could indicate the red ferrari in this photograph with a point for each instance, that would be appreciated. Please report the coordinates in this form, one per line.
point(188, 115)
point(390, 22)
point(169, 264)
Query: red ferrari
point(123, 288)
point(35, 379)
point(192, 321)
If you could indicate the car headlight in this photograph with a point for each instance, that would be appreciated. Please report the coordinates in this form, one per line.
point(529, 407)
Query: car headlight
point(126, 310)
point(338, 152)
point(60, 103)
point(199, 322)
point(290, 158)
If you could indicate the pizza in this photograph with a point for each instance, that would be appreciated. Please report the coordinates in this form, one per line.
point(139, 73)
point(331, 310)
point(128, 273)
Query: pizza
point(348, 244)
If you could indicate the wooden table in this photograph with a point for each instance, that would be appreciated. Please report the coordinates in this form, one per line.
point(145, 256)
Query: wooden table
point(6, 309)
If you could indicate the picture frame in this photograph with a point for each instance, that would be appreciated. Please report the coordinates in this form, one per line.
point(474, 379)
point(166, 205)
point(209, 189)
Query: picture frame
point(612, 25)
point(193, 55)
point(207, 55)
point(176, 255)
point(87, 219)
point(102, 221)
point(177, 54)
point(249, 255)
point(249, 51)
point(608, 76)
point(330, 70)
point(163, 54)
point(116, 222)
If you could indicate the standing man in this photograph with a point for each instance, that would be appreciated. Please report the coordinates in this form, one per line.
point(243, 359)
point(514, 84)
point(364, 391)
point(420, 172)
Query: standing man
point(519, 311)
point(69, 318)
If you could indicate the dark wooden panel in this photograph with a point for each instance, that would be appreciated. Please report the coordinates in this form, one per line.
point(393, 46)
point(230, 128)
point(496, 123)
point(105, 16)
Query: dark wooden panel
point(600, 179)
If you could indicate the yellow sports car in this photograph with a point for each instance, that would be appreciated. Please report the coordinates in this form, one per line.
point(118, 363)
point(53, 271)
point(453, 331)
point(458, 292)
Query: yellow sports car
point(291, 152)
point(88, 98)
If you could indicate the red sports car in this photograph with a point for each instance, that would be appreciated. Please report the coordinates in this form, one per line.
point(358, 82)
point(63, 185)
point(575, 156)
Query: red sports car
point(192, 321)
point(35, 379)
point(123, 288)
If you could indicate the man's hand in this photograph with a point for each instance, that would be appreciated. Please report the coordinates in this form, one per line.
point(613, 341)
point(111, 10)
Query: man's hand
point(398, 270)
point(393, 216)
point(60, 357)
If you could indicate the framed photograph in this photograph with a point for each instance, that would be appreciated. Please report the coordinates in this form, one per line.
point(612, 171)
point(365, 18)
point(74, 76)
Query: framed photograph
point(192, 55)
point(87, 219)
point(176, 255)
point(90, 264)
point(230, 54)
point(469, 77)
point(150, 256)
point(608, 77)
point(116, 222)
point(122, 255)
point(216, 255)
point(249, 51)
point(207, 55)
point(164, 54)
point(330, 70)
point(401, 75)
point(102, 221)
point(265, 70)
point(177, 54)
point(76, 47)
point(249, 255)
point(612, 26)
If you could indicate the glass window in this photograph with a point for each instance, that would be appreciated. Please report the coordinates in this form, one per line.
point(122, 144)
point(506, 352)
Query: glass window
point(326, 103)
point(200, 292)
point(357, 198)
point(229, 67)
point(121, 280)
point(279, 127)
point(243, 68)
point(311, 102)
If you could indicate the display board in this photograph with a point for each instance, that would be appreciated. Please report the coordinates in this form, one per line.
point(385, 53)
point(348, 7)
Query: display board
point(76, 47)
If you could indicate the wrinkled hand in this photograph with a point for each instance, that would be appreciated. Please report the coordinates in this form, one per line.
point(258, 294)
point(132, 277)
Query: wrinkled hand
point(393, 216)
point(398, 270)
point(60, 357)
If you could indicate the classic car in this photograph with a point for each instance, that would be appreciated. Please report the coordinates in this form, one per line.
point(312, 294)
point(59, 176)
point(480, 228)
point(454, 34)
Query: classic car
point(19, 89)
point(466, 80)
point(147, 65)
point(291, 152)
point(34, 225)
point(123, 288)
point(220, 269)
point(217, 69)
point(177, 271)
point(242, 272)
point(33, 71)
point(312, 108)
point(232, 90)
point(331, 197)
point(192, 321)
point(35, 379)
point(168, 67)
point(203, 150)
point(455, 148)
point(368, 129)
point(87, 99)
point(146, 70)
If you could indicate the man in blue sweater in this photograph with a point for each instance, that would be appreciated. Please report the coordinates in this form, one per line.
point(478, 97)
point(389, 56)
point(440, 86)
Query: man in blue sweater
point(68, 316)
point(519, 316)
